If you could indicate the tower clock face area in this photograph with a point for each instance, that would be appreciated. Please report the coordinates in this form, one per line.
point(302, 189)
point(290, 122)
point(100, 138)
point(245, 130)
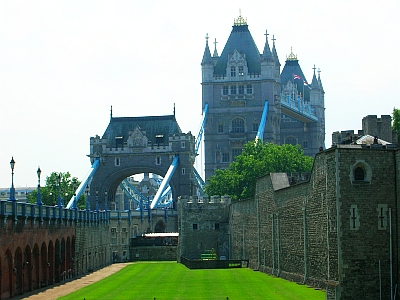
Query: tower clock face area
point(238, 82)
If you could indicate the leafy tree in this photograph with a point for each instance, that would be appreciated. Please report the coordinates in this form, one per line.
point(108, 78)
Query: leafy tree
point(257, 159)
point(49, 192)
point(396, 122)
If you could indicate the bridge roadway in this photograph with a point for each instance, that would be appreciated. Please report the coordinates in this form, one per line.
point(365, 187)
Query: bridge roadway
point(44, 245)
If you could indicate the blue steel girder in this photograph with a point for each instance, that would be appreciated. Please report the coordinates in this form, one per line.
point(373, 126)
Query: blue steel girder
point(135, 191)
point(260, 132)
point(84, 183)
point(199, 181)
point(201, 130)
point(165, 182)
point(297, 109)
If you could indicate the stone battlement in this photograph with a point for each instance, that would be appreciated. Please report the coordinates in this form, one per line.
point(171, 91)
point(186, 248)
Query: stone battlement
point(204, 200)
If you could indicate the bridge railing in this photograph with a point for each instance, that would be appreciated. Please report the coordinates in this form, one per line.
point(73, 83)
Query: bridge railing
point(15, 210)
point(299, 106)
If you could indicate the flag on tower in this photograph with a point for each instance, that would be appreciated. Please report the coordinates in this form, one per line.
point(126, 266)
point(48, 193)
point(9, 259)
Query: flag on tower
point(296, 76)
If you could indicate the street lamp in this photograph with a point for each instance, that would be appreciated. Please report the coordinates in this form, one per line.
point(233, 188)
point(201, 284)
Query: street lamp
point(106, 201)
point(87, 197)
point(39, 196)
point(12, 189)
point(59, 192)
point(97, 200)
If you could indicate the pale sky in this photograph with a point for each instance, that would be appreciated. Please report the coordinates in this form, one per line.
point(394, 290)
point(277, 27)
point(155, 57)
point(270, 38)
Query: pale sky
point(64, 63)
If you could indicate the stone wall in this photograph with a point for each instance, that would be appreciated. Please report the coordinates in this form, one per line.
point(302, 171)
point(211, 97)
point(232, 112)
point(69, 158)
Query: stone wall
point(331, 232)
point(203, 225)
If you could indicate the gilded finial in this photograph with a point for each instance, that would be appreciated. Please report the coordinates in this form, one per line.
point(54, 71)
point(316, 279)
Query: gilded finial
point(291, 55)
point(239, 21)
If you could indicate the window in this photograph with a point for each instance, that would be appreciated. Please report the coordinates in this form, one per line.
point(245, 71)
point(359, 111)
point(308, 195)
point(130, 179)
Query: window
point(158, 160)
point(183, 171)
point(216, 226)
point(291, 140)
point(220, 128)
point(241, 71)
point(249, 89)
point(359, 174)
point(233, 71)
point(305, 144)
point(225, 90)
point(255, 126)
point(233, 89)
point(237, 125)
point(183, 145)
point(117, 161)
point(236, 152)
point(225, 157)
point(195, 226)
point(241, 89)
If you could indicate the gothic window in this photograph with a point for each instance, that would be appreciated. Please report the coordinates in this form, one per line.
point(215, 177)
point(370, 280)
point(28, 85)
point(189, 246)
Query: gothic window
point(225, 157)
point(233, 71)
point(249, 89)
point(217, 156)
point(241, 89)
point(225, 90)
point(236, 152)
point(359, 173)
point(255, 126)
point(241, 71)
point(237, 125)
point(291, 140)
point(233, 89)
point(220, 128)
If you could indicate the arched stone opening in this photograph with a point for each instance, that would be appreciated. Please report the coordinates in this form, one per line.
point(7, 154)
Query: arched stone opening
point(51, 263)
point(18, 272)
point(9, 274)
point(27, 269)
point(45, 265)
point(36, 267)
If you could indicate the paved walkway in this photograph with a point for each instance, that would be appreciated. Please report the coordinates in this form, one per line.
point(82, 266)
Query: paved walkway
point(66, 288)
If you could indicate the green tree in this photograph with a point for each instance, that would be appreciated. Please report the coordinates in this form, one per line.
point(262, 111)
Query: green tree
point(257, 159)
point(396, 122)
point(49, 192)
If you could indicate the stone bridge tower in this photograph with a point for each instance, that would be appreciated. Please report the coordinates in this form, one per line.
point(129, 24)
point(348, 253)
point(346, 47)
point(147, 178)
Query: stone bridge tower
point(134, 145)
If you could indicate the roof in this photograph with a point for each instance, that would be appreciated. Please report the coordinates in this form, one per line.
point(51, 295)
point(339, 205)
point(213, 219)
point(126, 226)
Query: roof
point(152, 125)
point(241, 40)
point(290, 69)
point(369, 140)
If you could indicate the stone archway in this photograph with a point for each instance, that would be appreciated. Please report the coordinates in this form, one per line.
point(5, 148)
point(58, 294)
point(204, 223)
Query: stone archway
point(18, 272)
point(160, 226)
point(132, 146)
point(36, 267)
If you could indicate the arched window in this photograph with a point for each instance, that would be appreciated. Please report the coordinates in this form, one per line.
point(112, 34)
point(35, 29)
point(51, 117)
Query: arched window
point(359, 173)
point(237, 125)
point(291, 140)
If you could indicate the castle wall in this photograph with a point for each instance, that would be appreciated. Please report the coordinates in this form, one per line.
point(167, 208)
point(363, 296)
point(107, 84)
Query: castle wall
point(203, 225)
point(332, 232)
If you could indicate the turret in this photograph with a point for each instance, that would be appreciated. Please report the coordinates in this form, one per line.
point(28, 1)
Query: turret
point(267, 61)
point(207, 65)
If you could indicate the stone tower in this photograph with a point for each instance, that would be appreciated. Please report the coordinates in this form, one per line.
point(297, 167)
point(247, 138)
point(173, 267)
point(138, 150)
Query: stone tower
point(237, 84)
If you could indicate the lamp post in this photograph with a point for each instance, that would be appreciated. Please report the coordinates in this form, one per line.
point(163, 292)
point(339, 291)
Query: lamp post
point(97, 200)
point(12, 189)
point(105, 201)
point(39, 196)
point(59, 190)
point(87, 197)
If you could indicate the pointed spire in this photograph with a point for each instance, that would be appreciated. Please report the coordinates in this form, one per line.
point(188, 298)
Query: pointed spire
point(111, 113)
point(215, 48)
point(274, 53)
point(319, 80)
point(267, 54)
point(314, 82)
point(207, 54)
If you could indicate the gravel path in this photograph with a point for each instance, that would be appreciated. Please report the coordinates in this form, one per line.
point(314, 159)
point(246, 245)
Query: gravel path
point(63, 289)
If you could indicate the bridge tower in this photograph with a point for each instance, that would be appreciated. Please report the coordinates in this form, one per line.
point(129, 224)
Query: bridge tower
point(236, 84)
point(134, 145)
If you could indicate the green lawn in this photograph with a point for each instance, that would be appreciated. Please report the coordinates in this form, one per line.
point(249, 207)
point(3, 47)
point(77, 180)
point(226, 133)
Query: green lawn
point(167, 280)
